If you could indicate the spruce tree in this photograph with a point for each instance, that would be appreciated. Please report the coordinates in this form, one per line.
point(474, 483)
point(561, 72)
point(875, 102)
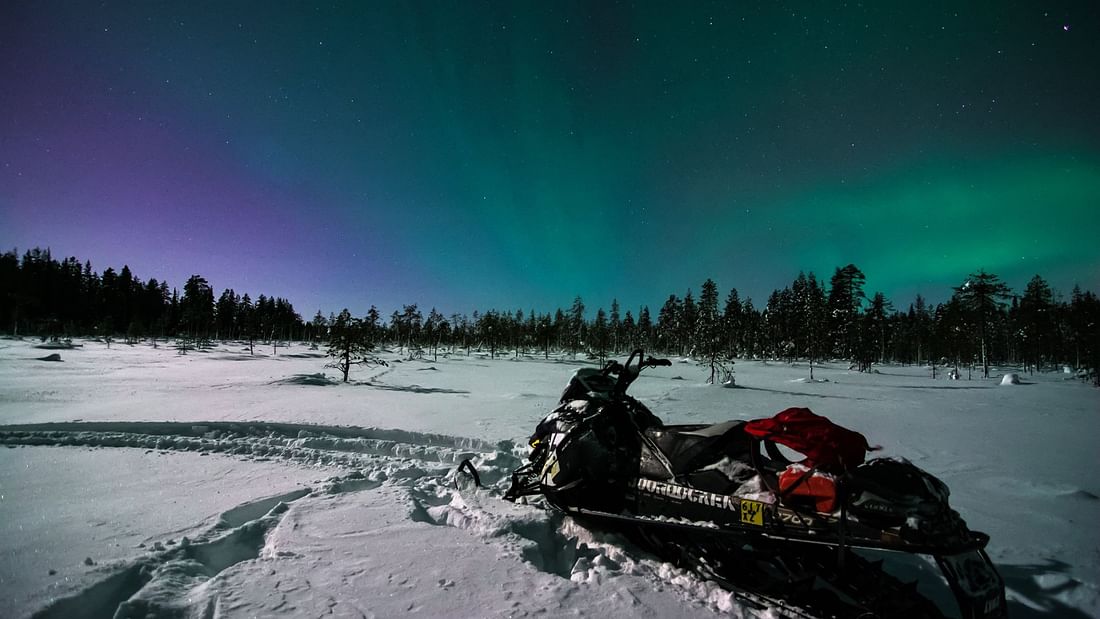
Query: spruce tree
point(812, 312)
point(878, 315)
point(645, 328)
point(433, 331)
point(630, 331)
point(600, 335)
point(1084, 321)
point(197, 307)
point(843, 305)
point(732, 321)
point(1036, 318)
point(576, 333)
point(689, 315)
point(616, 327)
point(710, 345)
point(668, 324)
point(983, 296)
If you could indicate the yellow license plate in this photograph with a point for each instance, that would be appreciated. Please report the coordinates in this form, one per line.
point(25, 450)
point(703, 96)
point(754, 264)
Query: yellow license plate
point(752, 512)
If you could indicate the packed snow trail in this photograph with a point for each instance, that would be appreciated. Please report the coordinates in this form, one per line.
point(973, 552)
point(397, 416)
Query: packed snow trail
point(405, 477)
point(315, 444)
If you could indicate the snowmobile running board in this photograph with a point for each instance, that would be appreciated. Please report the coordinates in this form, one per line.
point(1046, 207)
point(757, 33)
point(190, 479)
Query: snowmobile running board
point(978, 541)
point(977, 587)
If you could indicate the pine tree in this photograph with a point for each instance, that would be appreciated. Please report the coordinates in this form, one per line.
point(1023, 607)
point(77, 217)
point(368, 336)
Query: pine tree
point(982, 296)
point(1036, 317)
point(645, 328)
point(600, 335)
point(844, 302)
point(560, 328)
point(196, 306)
point(812, 313)
point(921, 329)
point(668, 324)
point(489, 327)
point(249, 322)
point(952, 333)
point(347, 346)
point(732, 322)
point(372, 327)
point(630, 331)
point(750, 332)
point(710, 345)
point(878, 318)
point(616, 327)
point(1084, 326)
point(545, 333)
point(433, 330)
point(226, 315)
point(689, 315)
point(318, 328)
point(777, 317)
point(576, 325)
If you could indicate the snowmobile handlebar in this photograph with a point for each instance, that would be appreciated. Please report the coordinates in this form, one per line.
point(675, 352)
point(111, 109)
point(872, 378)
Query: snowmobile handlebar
point(627, 372)
point(645, 363)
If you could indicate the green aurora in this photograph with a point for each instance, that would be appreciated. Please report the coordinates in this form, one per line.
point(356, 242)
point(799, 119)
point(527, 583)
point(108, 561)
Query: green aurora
point(514, 155)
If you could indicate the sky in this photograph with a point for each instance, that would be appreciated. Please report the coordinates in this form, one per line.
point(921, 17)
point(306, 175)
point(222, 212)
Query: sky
point(513, 155)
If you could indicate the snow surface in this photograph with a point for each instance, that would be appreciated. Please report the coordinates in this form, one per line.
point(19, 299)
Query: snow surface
point(223, 485)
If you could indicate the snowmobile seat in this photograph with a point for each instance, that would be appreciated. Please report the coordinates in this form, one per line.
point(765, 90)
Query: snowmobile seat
point(689, 448)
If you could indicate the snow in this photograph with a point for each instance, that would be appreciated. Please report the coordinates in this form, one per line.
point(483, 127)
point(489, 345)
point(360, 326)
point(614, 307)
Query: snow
point(299, 495)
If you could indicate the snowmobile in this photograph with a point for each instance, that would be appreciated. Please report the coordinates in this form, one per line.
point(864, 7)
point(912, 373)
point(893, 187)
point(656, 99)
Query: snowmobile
point(723, 500)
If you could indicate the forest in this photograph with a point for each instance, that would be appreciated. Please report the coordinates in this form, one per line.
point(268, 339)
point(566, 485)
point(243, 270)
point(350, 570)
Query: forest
point(983, 322)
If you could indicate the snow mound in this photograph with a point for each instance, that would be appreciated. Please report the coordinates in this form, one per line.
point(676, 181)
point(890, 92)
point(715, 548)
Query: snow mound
point(318, 380)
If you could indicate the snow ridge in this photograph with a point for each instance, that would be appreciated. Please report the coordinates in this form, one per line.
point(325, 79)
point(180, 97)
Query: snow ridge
point(172, 582)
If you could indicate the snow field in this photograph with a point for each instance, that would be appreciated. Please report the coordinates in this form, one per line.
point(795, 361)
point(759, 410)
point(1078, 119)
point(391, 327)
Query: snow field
point(381, 529)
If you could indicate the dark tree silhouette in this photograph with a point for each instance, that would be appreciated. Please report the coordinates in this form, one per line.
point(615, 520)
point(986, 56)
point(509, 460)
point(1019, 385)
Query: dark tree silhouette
point(709, 336)
point(1036, 321)
point(348, 344)
point(844, 302)
point(982, 297)
point(600, 334)
point(576, 333)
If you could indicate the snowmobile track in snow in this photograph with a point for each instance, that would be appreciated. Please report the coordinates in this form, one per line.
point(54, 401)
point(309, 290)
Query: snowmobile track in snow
point(181, 580)
point(172, 581)
point(301, 443)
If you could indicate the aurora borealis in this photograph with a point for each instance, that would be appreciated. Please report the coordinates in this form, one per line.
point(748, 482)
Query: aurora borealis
point(493, 154)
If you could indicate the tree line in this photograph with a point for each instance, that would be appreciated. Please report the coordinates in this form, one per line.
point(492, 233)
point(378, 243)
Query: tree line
point(42, 296)
point(983, 322)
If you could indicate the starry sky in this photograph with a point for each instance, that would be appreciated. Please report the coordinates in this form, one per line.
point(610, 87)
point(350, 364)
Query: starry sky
point(468, 155)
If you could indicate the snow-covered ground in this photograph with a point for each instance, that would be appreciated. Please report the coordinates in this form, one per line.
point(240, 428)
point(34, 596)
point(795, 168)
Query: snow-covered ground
point(219, 484)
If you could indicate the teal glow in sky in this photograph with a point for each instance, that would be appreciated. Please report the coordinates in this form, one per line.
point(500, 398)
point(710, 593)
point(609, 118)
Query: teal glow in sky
point(471, 155)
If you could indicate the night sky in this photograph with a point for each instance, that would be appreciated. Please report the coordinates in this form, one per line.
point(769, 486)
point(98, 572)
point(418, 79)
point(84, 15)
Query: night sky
point(513, 155)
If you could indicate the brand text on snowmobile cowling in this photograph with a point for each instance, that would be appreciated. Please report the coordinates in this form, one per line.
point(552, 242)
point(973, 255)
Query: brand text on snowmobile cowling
point(690, 495)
